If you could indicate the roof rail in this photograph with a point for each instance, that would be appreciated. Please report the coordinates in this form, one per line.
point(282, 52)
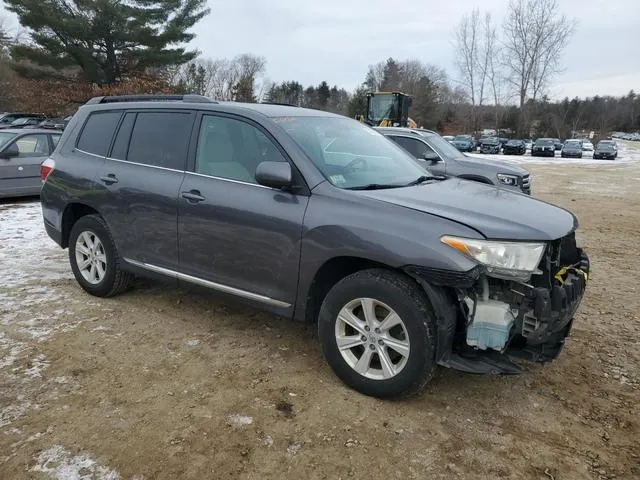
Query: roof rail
point(279, 103)
point(150, 98)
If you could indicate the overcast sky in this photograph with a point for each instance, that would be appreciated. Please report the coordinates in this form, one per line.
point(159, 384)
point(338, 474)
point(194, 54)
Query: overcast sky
point(335, 40)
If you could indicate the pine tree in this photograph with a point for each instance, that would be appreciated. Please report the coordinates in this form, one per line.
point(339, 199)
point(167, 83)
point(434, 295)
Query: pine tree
point(108, 40)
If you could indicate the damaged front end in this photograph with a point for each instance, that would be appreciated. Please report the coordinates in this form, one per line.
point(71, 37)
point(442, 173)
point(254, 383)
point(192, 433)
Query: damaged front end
point(490, 317)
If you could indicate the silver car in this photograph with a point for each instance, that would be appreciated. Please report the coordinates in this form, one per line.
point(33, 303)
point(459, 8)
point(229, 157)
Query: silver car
point(21, 153)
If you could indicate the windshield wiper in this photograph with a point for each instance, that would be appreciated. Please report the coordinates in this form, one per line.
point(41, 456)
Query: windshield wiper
point(422, 179)
point(374, 186)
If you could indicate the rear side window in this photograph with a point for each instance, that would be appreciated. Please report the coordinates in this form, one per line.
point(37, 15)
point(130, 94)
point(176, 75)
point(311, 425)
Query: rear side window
point(161, 139)
point(121, 143)
point(97, 132)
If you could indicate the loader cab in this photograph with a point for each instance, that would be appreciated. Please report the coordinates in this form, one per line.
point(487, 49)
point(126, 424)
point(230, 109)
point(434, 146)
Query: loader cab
point(388, 109)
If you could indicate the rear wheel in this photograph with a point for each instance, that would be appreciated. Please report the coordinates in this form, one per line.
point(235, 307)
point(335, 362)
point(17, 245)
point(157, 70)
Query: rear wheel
point(377, 331)
point(94, 259)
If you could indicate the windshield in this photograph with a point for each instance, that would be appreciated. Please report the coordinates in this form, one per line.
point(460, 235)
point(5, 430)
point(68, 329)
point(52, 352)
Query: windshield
point(605, 146)
point(20, 121)
point(514, 143)
point(381, 107)
point(572, 144)
point(544, 141)
point(350, 154)
point(5, 138)
point(463, 138)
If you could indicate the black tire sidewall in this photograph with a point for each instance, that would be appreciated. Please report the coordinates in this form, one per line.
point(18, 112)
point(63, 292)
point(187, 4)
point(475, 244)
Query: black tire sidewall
point(95, 225)
point(418, 323)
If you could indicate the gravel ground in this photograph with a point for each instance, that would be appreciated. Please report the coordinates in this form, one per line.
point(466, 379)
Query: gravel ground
point(165, 383)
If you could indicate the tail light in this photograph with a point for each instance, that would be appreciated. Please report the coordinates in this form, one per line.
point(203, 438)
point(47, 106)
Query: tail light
point(46, 168)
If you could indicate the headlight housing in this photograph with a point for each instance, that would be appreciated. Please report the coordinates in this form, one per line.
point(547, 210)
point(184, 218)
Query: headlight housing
point(505, 179)
point(508, 260)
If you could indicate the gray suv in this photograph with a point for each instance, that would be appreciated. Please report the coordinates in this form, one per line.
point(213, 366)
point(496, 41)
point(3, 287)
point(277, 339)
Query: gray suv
point(441, 158)
point(316, 217)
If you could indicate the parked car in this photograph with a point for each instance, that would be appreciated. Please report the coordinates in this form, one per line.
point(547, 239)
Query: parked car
point(439, 157)
point(7, 118)
point(544, 147)
point(449, 138)
point(587, 146)
point(605, 151)
point(22, 122)
point(572, 149)
point(503, 141)
point(52, 123)
point(558, 144)
point(490, 145)
point(401, 270)
point(514, 147)
point(528, 143)
point(464, 143)
point(21, 153)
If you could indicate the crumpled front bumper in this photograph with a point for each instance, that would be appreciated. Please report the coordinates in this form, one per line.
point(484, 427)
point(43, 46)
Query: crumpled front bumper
point(547, 321)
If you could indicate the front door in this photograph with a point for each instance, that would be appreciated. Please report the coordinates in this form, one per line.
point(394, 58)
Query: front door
point(20, 174)
point(418, 149)
point(242, 236)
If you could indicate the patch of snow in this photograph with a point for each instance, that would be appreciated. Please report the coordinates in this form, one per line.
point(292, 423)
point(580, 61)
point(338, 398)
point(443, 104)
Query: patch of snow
point(11, 413)
point(240, 420)
point(192, 343)
point(26, 247)
point(60, 464)
point(38, 364)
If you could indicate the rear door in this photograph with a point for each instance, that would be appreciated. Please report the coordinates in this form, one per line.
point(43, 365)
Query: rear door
point(140, 183)
point(20, 175)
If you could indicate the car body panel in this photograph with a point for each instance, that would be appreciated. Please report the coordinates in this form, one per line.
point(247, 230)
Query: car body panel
point(20, 175)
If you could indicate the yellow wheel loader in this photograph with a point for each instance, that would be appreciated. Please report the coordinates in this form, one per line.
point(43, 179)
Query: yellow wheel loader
point(388, 109)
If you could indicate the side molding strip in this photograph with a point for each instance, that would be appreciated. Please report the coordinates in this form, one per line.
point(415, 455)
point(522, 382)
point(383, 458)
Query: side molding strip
point(208, 284)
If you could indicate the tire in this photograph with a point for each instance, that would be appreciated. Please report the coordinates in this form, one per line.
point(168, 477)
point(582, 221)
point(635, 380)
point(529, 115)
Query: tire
point(408, 373)
point(106, 258)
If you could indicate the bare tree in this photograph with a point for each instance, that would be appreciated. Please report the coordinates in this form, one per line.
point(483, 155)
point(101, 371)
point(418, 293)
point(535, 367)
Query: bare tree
point(475, 42)
point(535, 35)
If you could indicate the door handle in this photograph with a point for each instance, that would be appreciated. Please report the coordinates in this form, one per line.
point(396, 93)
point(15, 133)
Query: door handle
point(193, 196)
point(109, 179)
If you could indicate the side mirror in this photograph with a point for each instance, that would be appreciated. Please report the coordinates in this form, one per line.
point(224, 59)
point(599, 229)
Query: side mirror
point(10, 152)
point(274, 174)
point(432, 157)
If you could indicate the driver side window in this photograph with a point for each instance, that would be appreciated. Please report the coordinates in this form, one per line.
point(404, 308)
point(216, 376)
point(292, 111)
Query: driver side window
point(415, 147)
point(36, 145)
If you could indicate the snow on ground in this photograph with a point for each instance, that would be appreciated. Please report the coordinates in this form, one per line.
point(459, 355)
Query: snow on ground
point(60, 464)
point(26, 251)
point(628, 152)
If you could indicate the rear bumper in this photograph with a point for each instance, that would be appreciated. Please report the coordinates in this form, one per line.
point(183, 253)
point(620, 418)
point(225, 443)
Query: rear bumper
point(53, 232)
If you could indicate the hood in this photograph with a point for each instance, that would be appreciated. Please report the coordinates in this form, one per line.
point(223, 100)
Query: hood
point(495, 213)
point(504, 167)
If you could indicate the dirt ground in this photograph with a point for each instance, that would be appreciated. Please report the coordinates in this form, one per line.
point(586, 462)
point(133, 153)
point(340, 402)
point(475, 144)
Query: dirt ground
point(160, 383)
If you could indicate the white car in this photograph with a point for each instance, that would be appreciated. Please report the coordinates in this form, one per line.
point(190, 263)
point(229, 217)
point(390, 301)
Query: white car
point(587, 146)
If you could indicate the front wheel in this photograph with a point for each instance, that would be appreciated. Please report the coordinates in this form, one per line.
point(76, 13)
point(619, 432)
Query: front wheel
point(94, 259)
point(377, 330)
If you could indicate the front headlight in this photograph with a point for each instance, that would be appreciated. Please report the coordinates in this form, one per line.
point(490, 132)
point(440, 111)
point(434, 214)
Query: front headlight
point(510, 180)
point(502, 259)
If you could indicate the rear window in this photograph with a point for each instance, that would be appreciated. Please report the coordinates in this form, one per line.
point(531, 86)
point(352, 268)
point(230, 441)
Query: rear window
point(161, 139)
point(97, 132)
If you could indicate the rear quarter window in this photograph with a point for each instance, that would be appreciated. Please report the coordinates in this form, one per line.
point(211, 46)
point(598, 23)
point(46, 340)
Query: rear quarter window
point(97, 132)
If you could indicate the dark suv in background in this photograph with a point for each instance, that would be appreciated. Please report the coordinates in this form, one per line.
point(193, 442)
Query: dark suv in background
point(438, 156)
point(320, 218)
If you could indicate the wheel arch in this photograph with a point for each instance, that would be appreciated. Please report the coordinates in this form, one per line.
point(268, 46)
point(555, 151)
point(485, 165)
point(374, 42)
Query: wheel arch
point(331, 272)
point(72, 213)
